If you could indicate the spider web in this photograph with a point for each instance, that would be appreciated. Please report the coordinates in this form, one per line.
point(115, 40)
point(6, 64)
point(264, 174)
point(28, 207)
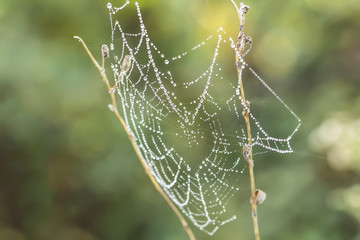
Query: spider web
point(190, 133)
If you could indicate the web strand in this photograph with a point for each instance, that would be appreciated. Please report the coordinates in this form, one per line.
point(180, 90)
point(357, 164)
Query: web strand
point(202, 175)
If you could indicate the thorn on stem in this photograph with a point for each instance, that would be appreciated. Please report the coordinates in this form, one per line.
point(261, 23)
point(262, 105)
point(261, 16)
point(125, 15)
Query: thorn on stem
point(260, 197)
point(126, 64)
point(244, 8)
point(246, 108)
point(243, 43)
point(241, 11)
point(246, 154)
point(111, 107)
point(105, 51)
point(254, 213)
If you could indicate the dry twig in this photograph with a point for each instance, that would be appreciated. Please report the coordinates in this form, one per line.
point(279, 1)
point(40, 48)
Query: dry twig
point(243, 46)
point(125, 66)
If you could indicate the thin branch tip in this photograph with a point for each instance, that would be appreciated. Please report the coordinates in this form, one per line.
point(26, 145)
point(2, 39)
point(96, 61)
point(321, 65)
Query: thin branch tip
point(78, 38)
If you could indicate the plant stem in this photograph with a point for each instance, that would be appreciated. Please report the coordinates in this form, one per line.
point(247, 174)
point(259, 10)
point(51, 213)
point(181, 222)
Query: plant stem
point(132, 140)
point(241, 51)
point(251, 164)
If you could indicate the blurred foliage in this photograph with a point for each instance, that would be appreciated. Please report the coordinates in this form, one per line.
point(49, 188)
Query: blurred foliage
point(68, 171)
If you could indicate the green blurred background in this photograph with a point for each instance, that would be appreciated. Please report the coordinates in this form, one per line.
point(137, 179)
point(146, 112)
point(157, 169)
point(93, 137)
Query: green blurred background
point(68, 171)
